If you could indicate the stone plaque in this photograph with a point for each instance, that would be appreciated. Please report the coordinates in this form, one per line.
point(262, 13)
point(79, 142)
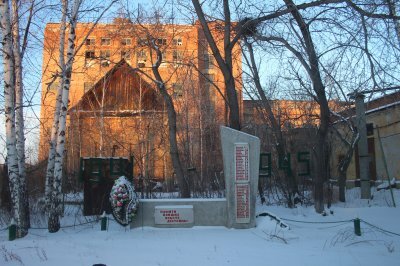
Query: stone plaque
point(241, 157)
point(241, 153)
point(179, 214)
point(242, 203)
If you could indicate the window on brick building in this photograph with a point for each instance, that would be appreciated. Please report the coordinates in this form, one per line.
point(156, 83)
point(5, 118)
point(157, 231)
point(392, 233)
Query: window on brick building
point(141, 42)
point(211, 90)
point(105, 41)
point(164, 58)
point(141, 58)
point(105, 58)
point(90, 55)
point(90, 41)
point(209, 79)
point(208, 61)
point(177, 56)
point(161, 41)
point(126, 41)
point(141, 54)
point(89, 58)
point(125, 55)
point(177, 41)
point(177, 90)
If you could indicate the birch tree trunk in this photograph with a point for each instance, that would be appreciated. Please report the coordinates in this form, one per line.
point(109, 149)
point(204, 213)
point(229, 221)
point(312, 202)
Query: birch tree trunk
point(18, 208)
point(54, 129)
point(56, 207)
point(19, 111)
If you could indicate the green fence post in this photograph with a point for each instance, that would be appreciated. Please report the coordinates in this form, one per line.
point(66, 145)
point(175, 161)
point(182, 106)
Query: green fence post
point(12, 230)
point(357, 227)
point(103, 221)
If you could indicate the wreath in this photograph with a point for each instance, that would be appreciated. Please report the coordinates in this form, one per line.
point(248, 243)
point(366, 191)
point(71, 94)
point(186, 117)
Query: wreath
point(124, 202)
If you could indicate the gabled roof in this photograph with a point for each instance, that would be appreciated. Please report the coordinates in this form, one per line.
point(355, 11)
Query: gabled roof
point(121, 91)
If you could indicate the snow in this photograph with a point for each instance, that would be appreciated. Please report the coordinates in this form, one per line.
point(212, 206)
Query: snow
point(267, 244)
point(382, 107)
point(385, 184)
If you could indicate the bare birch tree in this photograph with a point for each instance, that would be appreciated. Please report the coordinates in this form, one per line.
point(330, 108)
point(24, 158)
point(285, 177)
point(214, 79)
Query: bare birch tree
point(58, 138)
point(56, 196)
point(18, 52)
point(54, 129)
point(17, 185)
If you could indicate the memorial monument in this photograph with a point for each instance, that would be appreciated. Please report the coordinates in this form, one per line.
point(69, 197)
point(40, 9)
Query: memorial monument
point(241, 154)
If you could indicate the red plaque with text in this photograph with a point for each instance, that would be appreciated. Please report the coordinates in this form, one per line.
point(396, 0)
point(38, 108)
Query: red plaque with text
point(242, 203)
point(241, 156)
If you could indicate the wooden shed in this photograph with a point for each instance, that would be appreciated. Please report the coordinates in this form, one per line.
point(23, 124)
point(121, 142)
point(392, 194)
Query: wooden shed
point(122, 115)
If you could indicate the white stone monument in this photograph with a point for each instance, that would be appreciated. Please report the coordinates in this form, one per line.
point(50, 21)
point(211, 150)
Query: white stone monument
point(241, 154)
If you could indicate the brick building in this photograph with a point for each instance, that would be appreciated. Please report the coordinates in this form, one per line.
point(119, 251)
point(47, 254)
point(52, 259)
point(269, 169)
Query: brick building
point(115, 108)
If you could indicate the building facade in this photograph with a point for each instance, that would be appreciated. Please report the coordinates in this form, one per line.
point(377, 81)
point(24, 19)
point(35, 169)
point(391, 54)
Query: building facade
point(383, 138)
point(115, 108)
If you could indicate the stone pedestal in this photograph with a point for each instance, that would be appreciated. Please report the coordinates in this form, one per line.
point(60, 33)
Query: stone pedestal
point(241, 154)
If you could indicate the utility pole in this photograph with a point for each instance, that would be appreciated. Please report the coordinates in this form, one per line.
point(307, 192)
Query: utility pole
point(363, 156)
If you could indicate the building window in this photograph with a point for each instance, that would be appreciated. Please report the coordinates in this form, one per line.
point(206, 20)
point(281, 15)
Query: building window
point(90, 41)
point(141, 42)
point(208, 61)
point(141, 58)
point(177, 90)
point(89, 58)
point(105, 58)
point(161, 41)
point(209, 83)
point(90, 55)
point(126, 41)
point(211, 91)
point(177, 41)
point(105, 41)
point(125, 55)
point(370, 129)
point(177, 56)
point(203, 43)
point(141, 54)
point(87, 86)
point(209, 79)
point(164, 58)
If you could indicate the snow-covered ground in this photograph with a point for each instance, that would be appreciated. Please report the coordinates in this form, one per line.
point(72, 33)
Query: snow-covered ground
point(267, 244)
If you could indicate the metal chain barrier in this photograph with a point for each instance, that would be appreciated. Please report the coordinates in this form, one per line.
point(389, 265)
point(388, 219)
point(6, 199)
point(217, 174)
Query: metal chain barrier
point(380, 229)
point(315, 222)
point(342, 221)
point(65, 226)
